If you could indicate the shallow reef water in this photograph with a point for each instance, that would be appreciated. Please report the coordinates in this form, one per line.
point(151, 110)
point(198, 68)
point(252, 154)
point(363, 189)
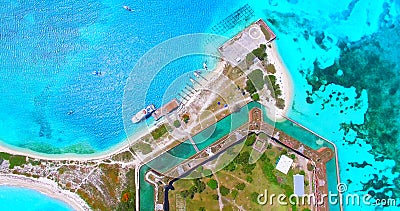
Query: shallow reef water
point(372, 64)
point(345, 67)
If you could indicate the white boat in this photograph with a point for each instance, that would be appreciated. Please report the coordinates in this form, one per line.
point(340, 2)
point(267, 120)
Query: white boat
point(143, 114)
point(97, 73)
point(127, 8)
point(205, 66)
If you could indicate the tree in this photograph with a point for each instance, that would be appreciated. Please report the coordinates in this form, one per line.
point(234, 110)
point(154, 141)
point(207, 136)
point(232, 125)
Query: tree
point(213, 184)
point(249, 179)
point(194, 189)
point(260, 52)
point(250, 140)
point(248, 168)
point(240, 186)
point(224, 190)
point(230, 167)
point(127, 201)
point(128, 196)
point(187, 194)
point(250, 87)
point(272, 79)
point(243, 157)
point(185, 118)
point(215, 196)
point(263, 157)
point(254, 197)
point(234, 193)
point(302, 172)
point(271, 69)
point(310, 167)
point(255, 97)
point(280, 103)
point(200, 186)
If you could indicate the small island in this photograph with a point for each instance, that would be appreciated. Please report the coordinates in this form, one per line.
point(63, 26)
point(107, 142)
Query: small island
point(219, 144)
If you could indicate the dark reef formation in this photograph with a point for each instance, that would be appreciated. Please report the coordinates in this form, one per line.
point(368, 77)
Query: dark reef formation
point(364, 67)
point(370, 64)
point(40, 102)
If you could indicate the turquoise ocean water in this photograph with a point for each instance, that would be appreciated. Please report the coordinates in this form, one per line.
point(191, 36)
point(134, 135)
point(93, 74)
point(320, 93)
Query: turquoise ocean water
point(21, 199)
point(342, 56)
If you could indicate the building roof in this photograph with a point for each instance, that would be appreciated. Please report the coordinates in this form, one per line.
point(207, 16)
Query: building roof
point(298, 184)
point(284, 164)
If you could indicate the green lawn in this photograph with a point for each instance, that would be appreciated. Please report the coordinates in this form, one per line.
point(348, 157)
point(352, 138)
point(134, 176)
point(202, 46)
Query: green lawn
point(239, 181)
point(257, 77)
point(159, 132)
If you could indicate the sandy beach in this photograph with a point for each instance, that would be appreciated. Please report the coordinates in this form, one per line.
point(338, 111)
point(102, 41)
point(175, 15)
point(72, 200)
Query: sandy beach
point(77, 157)
point(67, 156)
point(46, 187)
point(283, 79)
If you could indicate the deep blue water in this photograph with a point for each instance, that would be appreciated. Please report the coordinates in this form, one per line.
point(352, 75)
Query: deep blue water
point(50, 49)
point(23, 199)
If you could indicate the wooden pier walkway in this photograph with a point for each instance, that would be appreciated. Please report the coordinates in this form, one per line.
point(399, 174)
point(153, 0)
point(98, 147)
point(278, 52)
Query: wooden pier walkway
point(166, 109)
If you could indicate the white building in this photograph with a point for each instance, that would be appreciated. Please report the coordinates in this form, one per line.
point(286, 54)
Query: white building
point(284, 164)
point(298, 185)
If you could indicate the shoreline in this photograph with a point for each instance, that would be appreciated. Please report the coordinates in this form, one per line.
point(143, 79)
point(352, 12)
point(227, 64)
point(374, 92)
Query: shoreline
point(46, 187)
point(123, 145)
point(285, 82)
point(281, 68)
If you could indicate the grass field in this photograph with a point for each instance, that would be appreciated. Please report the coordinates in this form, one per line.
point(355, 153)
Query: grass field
point(239, 182)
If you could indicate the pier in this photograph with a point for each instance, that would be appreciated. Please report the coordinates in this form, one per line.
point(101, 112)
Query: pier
point(166, 109)
point(244, 13)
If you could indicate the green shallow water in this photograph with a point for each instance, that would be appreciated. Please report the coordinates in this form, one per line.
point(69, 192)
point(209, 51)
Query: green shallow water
point(172, 157)
point(146, 191)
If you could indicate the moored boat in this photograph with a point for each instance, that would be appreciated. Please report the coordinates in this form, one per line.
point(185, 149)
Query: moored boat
point(143, 114)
